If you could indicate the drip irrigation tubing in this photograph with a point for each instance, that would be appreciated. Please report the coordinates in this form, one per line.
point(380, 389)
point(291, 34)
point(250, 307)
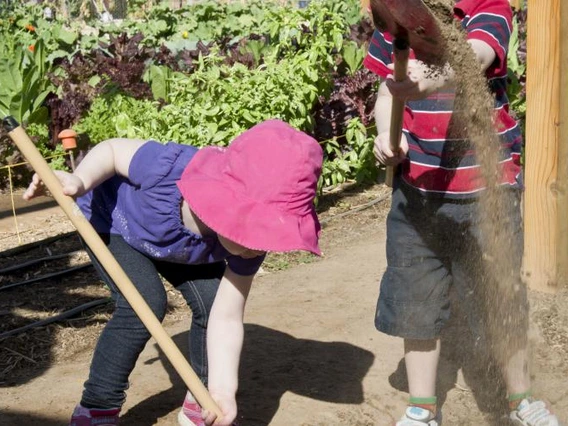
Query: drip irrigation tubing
point(64, 315)
point(356, 209)
point(47, 276)
point(36, 261)
point(30, 246)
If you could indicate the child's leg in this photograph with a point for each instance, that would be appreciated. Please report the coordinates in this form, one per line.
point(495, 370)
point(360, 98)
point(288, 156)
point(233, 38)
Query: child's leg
point(124, 336)
point(414, 296)
point(198, 284)
point(421, 359)
point(517, 377)
point(495, 298)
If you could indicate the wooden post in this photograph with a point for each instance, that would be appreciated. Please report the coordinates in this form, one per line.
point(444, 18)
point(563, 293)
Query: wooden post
point(545, 171)
point(562, 160)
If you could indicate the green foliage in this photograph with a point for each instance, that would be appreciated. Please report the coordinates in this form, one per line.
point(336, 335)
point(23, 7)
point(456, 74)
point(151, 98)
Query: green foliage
point(39, 133)
point(352, 161)
point(23, 86)
point(353, 56)
point(516, 73)
point(121, 116)
point(159, 79)
point(194, 114)
point(295, 55)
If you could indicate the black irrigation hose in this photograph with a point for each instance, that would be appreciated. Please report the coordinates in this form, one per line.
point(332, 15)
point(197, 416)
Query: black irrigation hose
point(59, 317)
point(355, 209)
point(27, 247)
point(36, 261)
point(47, 276)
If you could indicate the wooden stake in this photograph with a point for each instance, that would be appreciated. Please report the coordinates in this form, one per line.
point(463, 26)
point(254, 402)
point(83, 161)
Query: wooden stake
point(562, 160)
point(542, 150)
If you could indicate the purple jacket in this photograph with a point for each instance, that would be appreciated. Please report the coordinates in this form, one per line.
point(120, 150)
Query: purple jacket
point(146, 210)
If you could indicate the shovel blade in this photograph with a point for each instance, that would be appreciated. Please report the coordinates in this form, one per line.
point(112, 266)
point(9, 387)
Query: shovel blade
point(411, 20)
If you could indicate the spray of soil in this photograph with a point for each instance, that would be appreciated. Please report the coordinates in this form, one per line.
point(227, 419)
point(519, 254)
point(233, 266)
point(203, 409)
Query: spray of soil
point(503, 294)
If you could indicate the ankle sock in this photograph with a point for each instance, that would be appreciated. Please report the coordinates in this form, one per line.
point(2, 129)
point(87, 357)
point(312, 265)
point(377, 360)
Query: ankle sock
point(428, 403)
point(516, 398)
point(100, 413)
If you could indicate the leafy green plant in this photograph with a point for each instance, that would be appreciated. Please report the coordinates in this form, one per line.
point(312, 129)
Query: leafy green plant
point(516, 71)
point(117, 115)
point(159, 79)
point(353, 56)
point(352, 160)
point(23, 86)
point(214, 70)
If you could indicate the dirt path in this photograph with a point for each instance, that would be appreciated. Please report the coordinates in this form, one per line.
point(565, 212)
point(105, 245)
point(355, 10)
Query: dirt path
point(311, 357)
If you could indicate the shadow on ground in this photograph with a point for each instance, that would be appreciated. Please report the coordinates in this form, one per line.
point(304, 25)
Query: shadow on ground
point(272, 364)
point(23, 207)
point(20, 418)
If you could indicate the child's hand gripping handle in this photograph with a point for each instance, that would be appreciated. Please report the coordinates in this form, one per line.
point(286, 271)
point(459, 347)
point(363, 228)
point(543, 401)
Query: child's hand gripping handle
point(113, 268)
point(401, 51)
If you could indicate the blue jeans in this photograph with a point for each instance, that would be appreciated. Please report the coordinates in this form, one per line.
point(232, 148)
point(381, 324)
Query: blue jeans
point(124, 336)
point(434, 244)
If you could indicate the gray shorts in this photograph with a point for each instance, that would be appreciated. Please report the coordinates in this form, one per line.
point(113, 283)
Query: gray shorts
point(432, 245)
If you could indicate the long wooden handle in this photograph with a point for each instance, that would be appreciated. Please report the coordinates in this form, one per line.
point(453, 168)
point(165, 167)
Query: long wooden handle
point(401, 52)
point(111, 266)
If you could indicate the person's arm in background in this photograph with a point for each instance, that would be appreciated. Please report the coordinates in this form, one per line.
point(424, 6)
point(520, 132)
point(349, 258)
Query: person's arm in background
point(105, 160)
point(225, 333)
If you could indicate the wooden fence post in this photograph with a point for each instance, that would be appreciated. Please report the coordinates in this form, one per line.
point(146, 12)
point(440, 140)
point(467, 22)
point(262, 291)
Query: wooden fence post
point(562, 250)
point(546, 196)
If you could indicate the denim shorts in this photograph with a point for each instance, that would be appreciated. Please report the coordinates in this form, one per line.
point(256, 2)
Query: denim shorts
point(432, 245)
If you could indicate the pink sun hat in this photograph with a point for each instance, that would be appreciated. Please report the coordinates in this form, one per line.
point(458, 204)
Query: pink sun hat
point(259, 191)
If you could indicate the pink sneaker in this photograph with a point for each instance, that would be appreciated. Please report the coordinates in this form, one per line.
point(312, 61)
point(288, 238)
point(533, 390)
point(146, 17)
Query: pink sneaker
point(190, 414)
point(94, 417)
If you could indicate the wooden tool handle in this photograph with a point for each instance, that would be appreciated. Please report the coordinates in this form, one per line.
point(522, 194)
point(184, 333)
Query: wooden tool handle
point(111, 266)
point(401, 52)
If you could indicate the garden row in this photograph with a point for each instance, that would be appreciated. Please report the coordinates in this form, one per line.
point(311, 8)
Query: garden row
point(200, 75)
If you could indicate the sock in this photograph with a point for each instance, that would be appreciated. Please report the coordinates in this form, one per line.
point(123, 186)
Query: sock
point(428, 403)
point(189, 397)
point(98, 413)
point(516, 398)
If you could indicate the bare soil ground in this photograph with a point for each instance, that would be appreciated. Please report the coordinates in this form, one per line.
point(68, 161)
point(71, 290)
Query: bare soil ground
point(311, 356)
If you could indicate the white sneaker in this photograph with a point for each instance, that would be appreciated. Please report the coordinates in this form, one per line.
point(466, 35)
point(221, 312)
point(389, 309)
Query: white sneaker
point(418, 416)
point(531, 412)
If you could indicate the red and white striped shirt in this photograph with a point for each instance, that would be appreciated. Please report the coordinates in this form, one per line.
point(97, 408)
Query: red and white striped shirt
point(439, 162)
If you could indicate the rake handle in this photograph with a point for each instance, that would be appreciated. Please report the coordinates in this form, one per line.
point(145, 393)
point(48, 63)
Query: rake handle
point(113, 268)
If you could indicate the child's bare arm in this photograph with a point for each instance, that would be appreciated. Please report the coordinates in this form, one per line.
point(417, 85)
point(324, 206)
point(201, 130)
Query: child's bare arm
point(106, 159)
point(484, 53)
point(224, 342)
point(381, 149)
point(422, 80)
point(383, 107)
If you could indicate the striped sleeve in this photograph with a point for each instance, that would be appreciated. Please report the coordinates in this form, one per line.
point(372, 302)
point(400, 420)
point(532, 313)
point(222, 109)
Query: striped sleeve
point(379, 54)
point(489, 21)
